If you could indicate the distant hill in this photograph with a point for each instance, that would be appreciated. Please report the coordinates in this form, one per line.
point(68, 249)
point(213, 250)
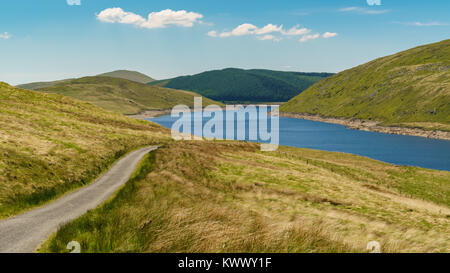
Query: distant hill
point(411, 89)
point(122, 74)
point(37, 85)
point(128, 75)
point(239, 85)
point(123, 96)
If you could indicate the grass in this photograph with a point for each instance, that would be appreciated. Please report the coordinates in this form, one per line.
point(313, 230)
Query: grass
point(225, 196)
point(408, 89)
point(124, 96)
point(50, 144)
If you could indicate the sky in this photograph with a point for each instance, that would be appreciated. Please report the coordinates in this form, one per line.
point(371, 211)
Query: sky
point(42, 40)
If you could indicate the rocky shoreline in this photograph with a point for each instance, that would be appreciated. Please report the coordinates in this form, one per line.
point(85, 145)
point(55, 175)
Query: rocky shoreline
point(374, 126)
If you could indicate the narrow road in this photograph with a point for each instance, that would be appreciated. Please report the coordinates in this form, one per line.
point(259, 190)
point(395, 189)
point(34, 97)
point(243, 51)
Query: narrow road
point(25, 232)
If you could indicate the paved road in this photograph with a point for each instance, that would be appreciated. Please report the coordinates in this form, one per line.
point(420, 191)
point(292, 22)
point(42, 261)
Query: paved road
point(25, 232)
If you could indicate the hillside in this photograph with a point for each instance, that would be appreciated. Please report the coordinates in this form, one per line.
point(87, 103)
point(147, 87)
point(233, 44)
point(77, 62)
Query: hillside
point(227, 196)
point(38, 85)
point(121, 74)
point(238, 85)
point(128, 75)
point(50, 144)
point(409, 89)
point(124, 96)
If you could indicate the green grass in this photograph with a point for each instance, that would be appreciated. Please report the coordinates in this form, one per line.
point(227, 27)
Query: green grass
point(50, 144)
point(124, 96)
point(410, 89)
point(226, 196)
point(240, 85)
point(121, 74)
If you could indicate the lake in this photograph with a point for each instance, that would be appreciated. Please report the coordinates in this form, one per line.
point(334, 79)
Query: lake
point(395, 149)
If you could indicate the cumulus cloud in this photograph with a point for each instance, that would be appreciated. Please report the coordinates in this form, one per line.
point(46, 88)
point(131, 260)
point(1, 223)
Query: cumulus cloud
point(327, 35)
point(5, 35)
point(159, 19)
point(295, 31)
point(271, 32)
point(364, 10)
point(269, 37)
point(264, 33)
point(74, 2)
point(309, 37)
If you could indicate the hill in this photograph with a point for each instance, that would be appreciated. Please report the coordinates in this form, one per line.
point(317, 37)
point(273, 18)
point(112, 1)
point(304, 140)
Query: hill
point(121, 74)
point(124, 96)
point(128, 75)
point(51, 144)
point(238, 85)
point(408, 89)
point(38, 85)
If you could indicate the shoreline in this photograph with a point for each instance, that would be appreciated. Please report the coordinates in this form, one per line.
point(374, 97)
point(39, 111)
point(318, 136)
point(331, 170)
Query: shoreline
point(371, 126)
point(150, 114)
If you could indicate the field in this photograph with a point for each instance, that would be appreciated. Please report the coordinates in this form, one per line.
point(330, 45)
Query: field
point(228, 196)
point(50, 144)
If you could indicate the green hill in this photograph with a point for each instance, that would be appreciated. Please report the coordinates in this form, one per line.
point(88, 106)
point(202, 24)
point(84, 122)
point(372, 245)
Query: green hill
point(411, 89)
point(124, 96)
point(121, 74)
point(38, 85)
point(128, 75)
point(238, 85)
point(50, 144)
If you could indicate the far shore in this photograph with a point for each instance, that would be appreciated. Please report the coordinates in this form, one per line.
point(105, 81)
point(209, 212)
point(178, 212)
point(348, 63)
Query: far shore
point(365, 125)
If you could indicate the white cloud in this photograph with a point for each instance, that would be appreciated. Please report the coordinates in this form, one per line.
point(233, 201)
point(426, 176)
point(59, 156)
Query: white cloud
point(265, 33)
point(374, 2)
point(212, 33)
point(159, 19)
point(364, 10)
point(295, 31)
point(269, 37)
point(5, 35)
point(327, 35)
point(74, 2)
point(309, 37)
point(269, 29)
point(430, 24)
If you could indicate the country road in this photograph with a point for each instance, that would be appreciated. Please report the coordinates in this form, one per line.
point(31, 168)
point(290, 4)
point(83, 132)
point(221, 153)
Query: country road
point(25, 232)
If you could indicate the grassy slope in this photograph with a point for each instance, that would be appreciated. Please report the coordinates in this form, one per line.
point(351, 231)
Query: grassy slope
point(230, 197)
point(50, 144)
point(124, 96)
point(37, 85)
point(411, 88)
point(128, 75)
point(245, 85)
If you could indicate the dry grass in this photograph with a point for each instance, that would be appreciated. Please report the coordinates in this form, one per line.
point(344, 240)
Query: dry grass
point(230, 197)
point(50, 144)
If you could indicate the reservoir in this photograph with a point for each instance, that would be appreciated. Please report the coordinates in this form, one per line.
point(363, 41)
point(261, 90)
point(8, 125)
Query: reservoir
point(395, 149)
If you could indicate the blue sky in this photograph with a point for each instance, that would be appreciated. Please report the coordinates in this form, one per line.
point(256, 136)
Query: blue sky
point(50, 39)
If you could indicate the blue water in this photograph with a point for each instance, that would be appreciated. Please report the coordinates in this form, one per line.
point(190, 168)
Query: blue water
point(395, 149)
